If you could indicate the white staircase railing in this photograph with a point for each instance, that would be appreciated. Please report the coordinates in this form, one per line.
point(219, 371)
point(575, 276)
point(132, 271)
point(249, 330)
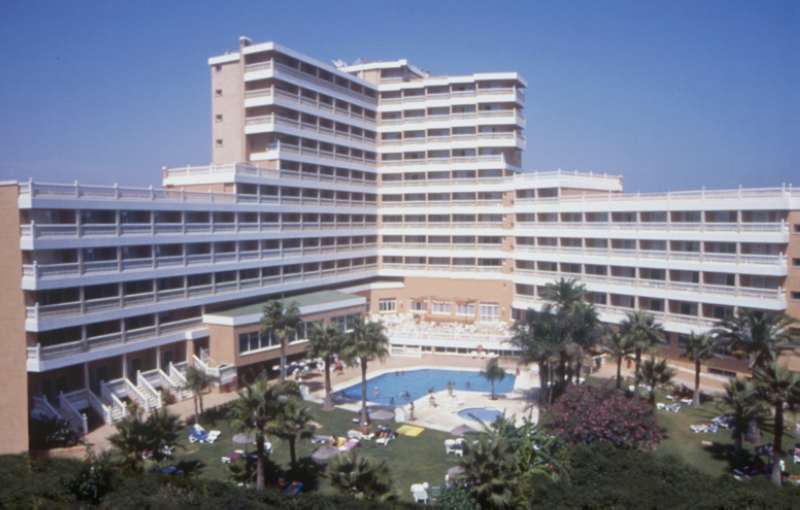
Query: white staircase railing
point(151, 394)
point(75, 418)
point(119, 409)
point(43, 407)
point(102, 409)
point(179, 381)
point(130, 390)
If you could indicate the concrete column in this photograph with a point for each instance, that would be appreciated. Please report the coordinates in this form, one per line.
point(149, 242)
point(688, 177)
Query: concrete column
point(158, 357)
point(124, 365)
point(86, 376)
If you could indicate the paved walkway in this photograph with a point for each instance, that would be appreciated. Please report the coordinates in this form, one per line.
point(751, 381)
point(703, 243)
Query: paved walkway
point(710, 384)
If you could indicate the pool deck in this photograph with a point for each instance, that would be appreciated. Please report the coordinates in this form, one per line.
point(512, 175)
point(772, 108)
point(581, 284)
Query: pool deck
point(443, 414)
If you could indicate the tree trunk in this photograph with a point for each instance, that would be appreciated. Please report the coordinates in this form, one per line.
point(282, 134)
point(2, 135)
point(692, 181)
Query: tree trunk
point(283, 359)
point(542, 381)
point(364, 414)
point(619, 372)
point(493, 397)
point(696, 397)
point(260, 462)
point(637, 377)
point(196, 414)
point(578, 368)
point(200, 399)
point(777, 450)
point(328, 404)
point(292, 451)
point(737, 442)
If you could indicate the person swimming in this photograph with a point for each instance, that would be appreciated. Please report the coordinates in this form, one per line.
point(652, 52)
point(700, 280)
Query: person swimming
point(468, 385)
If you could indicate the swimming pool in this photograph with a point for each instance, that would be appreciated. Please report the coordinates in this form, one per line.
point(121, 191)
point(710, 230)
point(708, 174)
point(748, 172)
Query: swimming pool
point(485, 414)
point(389, 388)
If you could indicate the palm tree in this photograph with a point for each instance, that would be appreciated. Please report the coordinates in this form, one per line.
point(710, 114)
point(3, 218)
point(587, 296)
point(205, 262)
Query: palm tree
point(488, 466)
point(758, 335)
point(360, 477)
point(536, 336)
point(493, 373)
point(643, 332)
point(699, 348)
point(656, 374)
point(258, 404)
point(366, 342)
point(325, 342)
point(780, 388)
point(280, 321)
point(197, 381)
point(293, 421)
point(564, 293)
point(619, 346)
point(585, 331)
point(157, 434)
point(743, 405)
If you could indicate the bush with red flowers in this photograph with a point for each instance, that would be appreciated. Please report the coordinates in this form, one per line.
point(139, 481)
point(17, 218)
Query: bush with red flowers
point(588, 414)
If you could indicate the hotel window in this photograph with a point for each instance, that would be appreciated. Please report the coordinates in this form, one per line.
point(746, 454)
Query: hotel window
point(417, 306)
point(490, 312)
point(218, 142)
point(796, 262)
point(441, 308)
point(465, 310)
point(797, 228)
point(796, 295)
point(218, 117)
point(218, 92)
point(255, 341)
point(387, 305)
point(344, 323)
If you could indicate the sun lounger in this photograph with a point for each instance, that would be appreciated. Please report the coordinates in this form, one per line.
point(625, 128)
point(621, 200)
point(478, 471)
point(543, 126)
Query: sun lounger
point(349, 445)
point(213, 436)
point(384, 441)
point(454, 446)
point(321, 439)
point(419, 492)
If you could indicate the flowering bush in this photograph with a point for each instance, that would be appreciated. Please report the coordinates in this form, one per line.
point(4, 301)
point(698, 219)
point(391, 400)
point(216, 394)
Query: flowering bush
point(587, 414)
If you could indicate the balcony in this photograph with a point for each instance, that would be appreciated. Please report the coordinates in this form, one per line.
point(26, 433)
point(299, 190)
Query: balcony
point(518, 94)
point(230, 288)
point(776, 295)
point(279, 68)
point(781, 227)
point(80, 231)
point(487, 158)
point(514, 117)
point(699, 257)
point(268, 123)
point(515, 138)
point(244, 169)
point(39, 353)
point(280, 150)
point(616, 314)
point(299, 99)
point(38, 271)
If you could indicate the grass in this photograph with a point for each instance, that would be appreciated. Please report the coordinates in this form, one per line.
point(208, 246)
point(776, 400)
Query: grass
point(410, 460)
point(718, 458)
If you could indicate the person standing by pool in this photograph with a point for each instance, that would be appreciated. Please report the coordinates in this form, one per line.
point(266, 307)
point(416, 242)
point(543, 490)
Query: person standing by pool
point(450, 388)
point(376, 392)
point(468, 385)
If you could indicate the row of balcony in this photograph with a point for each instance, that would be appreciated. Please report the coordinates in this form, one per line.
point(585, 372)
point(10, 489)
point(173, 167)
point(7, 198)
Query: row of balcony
point(700, 226)
point(327, 175)
point(124, 301)
point(41, 352)
point(269, 121)
point(509, 116)
point(313, 78)
point(660, 316)
point(70, 269)
point(43, 231)
point(314, 102)
point(279, 149)
point(470, 137)
point(667, 255)
point(477, 158)
point(702, 288)
point(456, 94)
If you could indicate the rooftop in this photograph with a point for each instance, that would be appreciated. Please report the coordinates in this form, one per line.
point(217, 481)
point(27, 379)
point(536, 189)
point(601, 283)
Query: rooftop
point(314, 302)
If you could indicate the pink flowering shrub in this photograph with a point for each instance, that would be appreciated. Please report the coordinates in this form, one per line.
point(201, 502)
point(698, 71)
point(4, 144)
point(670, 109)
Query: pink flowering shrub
point(587, 414)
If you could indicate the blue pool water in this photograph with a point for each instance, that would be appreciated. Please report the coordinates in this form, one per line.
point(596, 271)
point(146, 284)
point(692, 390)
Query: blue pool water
point(389, 388)
point(485, 414)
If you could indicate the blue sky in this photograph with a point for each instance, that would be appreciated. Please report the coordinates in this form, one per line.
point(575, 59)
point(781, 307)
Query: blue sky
point(674, 95)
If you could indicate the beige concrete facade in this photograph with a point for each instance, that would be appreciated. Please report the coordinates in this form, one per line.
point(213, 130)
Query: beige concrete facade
point(13, 372)
point(227, 114)
point(450, 290)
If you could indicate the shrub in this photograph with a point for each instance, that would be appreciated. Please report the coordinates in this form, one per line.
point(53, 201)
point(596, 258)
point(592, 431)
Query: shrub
point(52, 433)
point(587, 414)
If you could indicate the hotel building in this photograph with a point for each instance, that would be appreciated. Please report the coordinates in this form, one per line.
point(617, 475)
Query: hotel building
point(369, 188)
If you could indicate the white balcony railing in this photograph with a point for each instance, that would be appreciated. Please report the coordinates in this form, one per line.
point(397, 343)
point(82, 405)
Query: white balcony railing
point(277, 120)
point(776, 294)
point(245, 169)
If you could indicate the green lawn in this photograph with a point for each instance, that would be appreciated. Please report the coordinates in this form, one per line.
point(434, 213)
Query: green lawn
point(410, 460)
point(716, 459)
